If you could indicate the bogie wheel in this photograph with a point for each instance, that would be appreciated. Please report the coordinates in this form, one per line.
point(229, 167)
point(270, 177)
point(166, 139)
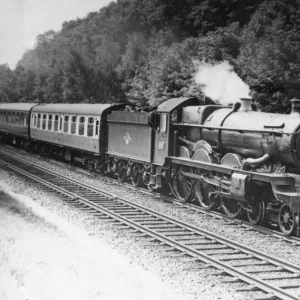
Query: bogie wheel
point(286, 219)
point(256, 213)
point(182, 187)
point(136, 175)
point(231, 207)
point(121, 170)
point(203, 192)
point(43, 150)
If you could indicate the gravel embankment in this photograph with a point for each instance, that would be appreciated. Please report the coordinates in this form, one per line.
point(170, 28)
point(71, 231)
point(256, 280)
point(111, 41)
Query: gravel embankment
point(171, 270)
point(44, 257)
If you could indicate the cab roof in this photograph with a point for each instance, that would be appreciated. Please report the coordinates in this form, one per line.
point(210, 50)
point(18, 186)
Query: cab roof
point(173, 103)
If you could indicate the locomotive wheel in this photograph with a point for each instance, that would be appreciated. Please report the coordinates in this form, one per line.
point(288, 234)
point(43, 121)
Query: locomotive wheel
point(202, 189)
point(256, 213)
point(231, 207)
point(121, 169)
point(182, 187)
point(202, 195)
point(286, 219)
point(136, 175)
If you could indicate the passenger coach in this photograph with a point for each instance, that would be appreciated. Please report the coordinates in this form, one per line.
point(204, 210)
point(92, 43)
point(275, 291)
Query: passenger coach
point(14, 122)
point(76, 132)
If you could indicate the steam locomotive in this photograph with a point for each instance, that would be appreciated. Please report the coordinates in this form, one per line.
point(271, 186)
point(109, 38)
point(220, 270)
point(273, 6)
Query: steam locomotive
point(232, 158)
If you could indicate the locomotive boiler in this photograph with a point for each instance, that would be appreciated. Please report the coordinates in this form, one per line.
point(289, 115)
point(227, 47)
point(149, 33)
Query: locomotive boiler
point(257, 136)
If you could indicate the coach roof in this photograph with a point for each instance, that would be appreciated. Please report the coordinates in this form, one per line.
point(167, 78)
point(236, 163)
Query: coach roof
point(81, 108)
point(16, 106)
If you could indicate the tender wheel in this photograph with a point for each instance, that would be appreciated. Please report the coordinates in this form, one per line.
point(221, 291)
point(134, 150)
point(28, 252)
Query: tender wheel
point(203, 192)
point(286, 219)
point(121, 169)
point(146, 179)
point(231, 207)
point(182, 187)
point(256, 213)
point(136, 175)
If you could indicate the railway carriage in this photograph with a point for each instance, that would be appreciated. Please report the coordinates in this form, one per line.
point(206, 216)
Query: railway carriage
point(14, 122)
point(74, 131)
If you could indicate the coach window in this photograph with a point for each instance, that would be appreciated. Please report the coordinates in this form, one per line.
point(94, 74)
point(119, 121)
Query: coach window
point(16, 121)
point(26, 119)
point(13, 120)
point(97, 127)
point(50, 119)
point(21, 118)
point(44, 121)
point(1, 116)
point(33, 120)
point(38, 123)
point(66, 124)
point(73, 124)
point(56, 118)
point(90, 127)
point(81, 125)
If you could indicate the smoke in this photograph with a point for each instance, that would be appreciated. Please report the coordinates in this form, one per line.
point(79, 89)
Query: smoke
point(220, 82)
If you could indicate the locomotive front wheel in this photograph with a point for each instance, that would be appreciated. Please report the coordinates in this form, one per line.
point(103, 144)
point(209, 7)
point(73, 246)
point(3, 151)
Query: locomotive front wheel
point(203, 192)
point(231, 207)
point(121, 169)
point(256, 213)
point(286, 219)
point(136, 175)
point(182, 187)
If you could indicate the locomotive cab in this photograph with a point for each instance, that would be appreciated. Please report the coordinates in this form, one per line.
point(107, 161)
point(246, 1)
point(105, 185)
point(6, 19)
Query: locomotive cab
point(165, 139)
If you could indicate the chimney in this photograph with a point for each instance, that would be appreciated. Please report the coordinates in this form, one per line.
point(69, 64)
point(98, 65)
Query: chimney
point(295, 106)
point(245, 104)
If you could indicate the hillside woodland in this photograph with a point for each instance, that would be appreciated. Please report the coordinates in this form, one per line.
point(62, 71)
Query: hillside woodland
point(146, 51)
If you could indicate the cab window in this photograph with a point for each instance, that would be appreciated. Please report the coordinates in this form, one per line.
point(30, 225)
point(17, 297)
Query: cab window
point(163, 123)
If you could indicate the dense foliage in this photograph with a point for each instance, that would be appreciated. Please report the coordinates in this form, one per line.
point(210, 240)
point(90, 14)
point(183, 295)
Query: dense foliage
point(144, 51)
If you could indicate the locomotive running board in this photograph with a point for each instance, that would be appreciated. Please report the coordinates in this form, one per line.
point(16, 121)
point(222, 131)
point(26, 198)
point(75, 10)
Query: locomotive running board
point(278, 179)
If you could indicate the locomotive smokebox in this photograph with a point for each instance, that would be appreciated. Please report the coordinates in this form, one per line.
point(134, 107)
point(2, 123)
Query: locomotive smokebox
point(245, 104)
point(295, 106)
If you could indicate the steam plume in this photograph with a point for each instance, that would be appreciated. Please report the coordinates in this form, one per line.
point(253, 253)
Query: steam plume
point(221, 83)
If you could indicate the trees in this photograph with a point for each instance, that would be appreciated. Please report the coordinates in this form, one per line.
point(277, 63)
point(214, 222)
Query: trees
point(142, 51)
point(269, 54)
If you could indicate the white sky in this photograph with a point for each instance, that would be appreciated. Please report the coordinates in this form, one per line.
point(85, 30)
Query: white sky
point(21, 21)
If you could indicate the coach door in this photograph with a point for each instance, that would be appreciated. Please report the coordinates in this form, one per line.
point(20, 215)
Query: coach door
point(161, 144)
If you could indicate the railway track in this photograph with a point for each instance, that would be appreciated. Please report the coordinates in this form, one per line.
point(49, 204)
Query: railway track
point(233, 261)
point(237, 222)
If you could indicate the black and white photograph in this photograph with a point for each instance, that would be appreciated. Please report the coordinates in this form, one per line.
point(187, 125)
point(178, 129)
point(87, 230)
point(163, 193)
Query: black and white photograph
point(150, 149)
